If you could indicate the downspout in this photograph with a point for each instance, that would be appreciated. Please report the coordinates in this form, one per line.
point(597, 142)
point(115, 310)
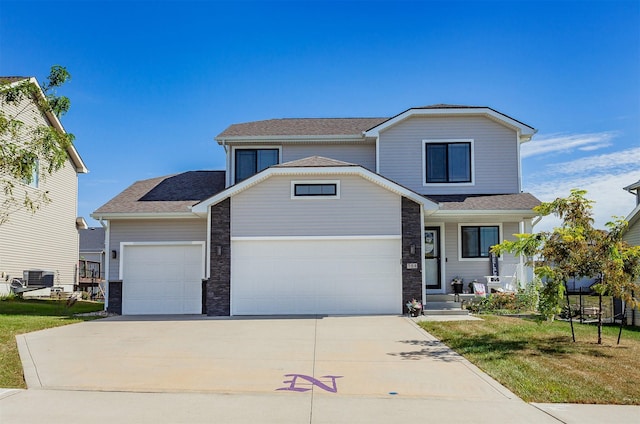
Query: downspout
point(106, 262)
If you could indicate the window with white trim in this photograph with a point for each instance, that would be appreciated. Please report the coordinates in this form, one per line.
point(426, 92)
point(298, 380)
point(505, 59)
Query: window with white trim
point(249, 162)
point(476, 240)
point(322, 189)
point(448, 161)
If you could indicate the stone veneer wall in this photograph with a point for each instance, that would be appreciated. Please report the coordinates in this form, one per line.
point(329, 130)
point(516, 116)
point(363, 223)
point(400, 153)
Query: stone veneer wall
point(115, 297)
point(218, 288)
point(411, 235)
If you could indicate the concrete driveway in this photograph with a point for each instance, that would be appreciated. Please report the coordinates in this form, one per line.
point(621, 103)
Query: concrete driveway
point(369, 369)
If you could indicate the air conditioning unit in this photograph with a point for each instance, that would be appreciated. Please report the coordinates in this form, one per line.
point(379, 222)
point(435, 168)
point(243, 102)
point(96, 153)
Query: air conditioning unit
point(38, 277)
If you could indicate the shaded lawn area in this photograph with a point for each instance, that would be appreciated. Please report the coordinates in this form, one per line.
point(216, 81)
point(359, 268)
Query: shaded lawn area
point(24, 316)
point(540, 363)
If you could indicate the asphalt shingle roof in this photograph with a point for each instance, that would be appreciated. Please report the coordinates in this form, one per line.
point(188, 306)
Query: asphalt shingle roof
point(314, 161)
point(302, 126)
point(92, 239)
point(171, 193)
point(486, 202)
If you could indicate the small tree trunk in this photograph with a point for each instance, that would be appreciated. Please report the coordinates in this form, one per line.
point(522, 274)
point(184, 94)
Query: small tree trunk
point(566, 292)
point(599, 318)
point(622, 320)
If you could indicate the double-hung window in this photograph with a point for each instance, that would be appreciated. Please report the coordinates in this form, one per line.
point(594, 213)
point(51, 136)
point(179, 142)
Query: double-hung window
point(249, 162)
point(448, 161)
point(476, 240)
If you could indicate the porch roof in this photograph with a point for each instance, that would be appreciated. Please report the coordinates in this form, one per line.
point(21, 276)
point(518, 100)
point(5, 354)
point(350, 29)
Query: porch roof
point(487, 202)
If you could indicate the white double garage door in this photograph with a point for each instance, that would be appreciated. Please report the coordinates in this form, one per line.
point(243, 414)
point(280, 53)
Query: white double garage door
point(275, 276)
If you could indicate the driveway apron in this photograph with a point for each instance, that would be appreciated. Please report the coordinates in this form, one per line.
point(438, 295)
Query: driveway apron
point(327, 369)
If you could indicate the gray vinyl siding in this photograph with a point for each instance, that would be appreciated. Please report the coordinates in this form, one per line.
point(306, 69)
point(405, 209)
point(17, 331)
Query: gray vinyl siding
point(495, 153)
point(47, 240)
point(632, 236)
point(475, 269)
point(363, 208)
point(363, 154)
point(151, 230)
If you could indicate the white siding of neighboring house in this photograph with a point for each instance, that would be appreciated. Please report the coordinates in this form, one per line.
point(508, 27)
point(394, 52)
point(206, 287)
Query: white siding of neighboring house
point(151, 230)
point(495, 151)
point(363, 209)
point(632, 236)
point(363, 154)
point(474, 269)
point(47, 240)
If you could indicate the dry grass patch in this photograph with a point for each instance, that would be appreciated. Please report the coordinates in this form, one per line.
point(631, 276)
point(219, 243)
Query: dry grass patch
point(540, 363)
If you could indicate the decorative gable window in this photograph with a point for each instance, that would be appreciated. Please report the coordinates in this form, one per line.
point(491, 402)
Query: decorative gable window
point(34, 181)
point(249, 162)
point(321, 189)
point(476, 240)
point(448, 162)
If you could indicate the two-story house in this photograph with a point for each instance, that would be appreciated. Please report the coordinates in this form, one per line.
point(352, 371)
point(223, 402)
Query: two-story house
point(323, 216)
point(40, 248)
point(632, 236)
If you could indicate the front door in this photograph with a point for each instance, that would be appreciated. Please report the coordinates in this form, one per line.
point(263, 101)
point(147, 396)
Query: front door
point(432, 258)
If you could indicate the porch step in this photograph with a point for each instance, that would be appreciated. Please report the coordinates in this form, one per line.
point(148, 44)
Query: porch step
point(448, 297)
point(444, 308)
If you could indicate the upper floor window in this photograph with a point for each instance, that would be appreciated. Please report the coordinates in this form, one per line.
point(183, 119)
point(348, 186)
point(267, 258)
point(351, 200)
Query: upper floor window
point(447, 162)
point(249, 162)
point(476, 240)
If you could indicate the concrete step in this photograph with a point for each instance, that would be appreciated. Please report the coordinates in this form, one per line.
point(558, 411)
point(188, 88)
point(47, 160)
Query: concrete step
point(449, 297)
point(457, 312)
point(444, 308)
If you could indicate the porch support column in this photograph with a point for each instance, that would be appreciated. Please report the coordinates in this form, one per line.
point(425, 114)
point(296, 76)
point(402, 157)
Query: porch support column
point(411, 241)
point(218, 288)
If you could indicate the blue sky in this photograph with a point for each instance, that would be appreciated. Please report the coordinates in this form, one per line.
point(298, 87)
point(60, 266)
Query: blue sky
point(154, 82)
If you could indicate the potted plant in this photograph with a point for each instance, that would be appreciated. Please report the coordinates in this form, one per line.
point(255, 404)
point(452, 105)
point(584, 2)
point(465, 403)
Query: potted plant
point(414, 307)
point(456, 283)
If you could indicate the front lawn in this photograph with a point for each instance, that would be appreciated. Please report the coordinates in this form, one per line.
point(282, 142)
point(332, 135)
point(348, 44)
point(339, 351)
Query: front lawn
point(19, 316)
point(540, 363)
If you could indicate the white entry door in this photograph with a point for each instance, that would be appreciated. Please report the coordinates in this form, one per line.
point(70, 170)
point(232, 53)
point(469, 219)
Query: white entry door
point(162, 279)
point(316, 276)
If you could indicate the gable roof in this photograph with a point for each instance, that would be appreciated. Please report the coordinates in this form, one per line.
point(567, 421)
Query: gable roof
point(314, 161)
point(357, 128)
point(323, 166)
point(74, 156)
point(167, 195)
point(525, 132)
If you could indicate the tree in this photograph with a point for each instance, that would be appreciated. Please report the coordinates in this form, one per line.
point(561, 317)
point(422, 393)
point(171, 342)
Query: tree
point(577, 249)
point(30, 149)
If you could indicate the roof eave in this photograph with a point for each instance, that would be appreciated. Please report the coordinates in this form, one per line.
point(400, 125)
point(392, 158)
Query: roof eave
point(142, 215)
point(526, 213)
point(288, 138)
point(79, 164)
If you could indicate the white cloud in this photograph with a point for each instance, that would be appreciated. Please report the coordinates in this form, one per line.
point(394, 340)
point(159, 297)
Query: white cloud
point(628, 159)
point(554, 143)
point(605, 189)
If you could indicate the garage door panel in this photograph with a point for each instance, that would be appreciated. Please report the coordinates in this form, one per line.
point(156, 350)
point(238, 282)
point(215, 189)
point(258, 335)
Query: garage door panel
point(162, 279)
point(316, 276)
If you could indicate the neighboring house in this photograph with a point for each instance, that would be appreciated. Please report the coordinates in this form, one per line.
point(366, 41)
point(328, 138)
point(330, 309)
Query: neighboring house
point(324, 216)
point(632, 236)
point(92, 259)
point(47, 240)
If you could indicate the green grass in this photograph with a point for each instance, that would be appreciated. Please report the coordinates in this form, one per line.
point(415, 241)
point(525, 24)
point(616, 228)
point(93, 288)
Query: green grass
point(24, 316)
point(540, 363)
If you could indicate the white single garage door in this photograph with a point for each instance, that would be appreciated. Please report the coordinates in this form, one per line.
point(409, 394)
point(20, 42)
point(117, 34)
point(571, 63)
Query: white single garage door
point(316, 276)
point(162, 279)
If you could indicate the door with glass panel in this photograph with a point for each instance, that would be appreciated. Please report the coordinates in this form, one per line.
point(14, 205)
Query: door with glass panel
point(432, 258)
